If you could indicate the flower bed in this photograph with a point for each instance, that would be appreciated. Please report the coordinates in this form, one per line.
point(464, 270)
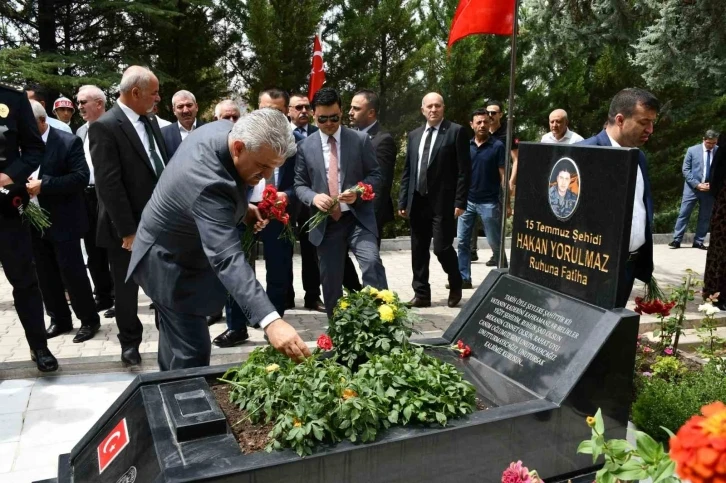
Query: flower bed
point(372, 379)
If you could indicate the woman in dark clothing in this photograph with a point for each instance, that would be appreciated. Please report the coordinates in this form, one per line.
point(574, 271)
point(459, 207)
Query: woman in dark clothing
point(715, 277)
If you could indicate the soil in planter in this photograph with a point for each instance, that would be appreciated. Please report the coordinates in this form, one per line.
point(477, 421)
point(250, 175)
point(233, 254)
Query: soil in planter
point(251, 437)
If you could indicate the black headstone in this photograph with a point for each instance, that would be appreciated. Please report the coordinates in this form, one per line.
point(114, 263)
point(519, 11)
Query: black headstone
point(572, 218)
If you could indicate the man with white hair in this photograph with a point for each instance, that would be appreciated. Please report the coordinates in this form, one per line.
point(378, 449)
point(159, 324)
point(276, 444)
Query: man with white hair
point(91, 106)
point(559, 131)
point(185, 108)
point(129, 156)
point(58, 187)
point(187, 255)
point(227, 109)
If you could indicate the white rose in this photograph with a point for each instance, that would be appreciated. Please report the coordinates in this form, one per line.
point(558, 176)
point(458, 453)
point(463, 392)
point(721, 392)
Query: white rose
point(704, 307)
point(712, 311)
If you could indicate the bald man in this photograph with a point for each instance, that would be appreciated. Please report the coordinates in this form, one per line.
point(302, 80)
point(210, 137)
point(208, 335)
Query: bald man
point(434, 190)
point(559, 132)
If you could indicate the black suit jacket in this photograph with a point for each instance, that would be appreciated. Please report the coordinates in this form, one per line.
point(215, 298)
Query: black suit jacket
point(386, 152)
point(449, 169)
point(123, 172)
point(172, 136)
point(64, 175)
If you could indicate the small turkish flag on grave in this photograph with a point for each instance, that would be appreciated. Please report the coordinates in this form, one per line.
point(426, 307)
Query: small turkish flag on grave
point(112, 445)
point(317, 76)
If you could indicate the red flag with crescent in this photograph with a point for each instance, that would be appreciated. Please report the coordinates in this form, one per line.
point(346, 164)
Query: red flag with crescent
point(482, 17)
point(317, 76)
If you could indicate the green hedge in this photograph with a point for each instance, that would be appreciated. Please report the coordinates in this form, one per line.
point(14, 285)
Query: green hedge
point(667, 404)
point(665, 221)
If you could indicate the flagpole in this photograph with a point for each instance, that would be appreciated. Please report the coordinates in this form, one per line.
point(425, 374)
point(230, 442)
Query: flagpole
point(510, 134)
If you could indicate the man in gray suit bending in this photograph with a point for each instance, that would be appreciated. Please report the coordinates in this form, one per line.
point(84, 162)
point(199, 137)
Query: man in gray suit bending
point(329, 162)
point(187, 254)
point(697, 189)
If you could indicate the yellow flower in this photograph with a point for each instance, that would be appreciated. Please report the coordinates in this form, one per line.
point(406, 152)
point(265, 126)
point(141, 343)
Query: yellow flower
point(343, 305)
point(349, 393)
point(386, 312)
point(387, 296)
point(297, 423)
point(371, 290)
point(590, 421)
point(272, 368)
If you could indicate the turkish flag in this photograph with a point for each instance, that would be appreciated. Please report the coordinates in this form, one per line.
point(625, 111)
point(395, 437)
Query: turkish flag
point(482, 17)
point(116, 440)
point(317, 76)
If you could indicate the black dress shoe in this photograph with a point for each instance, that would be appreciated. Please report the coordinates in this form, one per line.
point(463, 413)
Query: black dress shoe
point(45, 361)
point(152, 306)
point(213, 319)
point(419, 302)
point(700, 246)
point(675, 244)
point(454, 297)
point(317, 305)
point(110, 313)
point(492, 262)
point(131, 356)
point(86, 332)
point(290, 305)
point(464, 284)
point(231, 338)
point(474, 256)
point(55, 329)
point(103, 305)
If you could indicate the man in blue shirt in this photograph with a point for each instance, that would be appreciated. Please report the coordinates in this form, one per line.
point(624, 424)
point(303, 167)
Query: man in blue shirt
point(487, 175)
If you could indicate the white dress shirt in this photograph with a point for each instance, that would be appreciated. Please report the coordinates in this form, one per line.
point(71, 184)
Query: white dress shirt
point(637, 228)
point(87, 151)
point(431, 148)
point(141, 131)
point(34, 199)
point(570, 137)
point(184, 133)
point(326, 156)
point(705, 159)
point(161, 122)
point(256, 195)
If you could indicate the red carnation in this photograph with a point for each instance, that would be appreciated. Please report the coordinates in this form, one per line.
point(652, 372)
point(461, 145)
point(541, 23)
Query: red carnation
point(460, 344)
point(17, 201)
point(366, 191)
point(466, 352)
point(325, 342)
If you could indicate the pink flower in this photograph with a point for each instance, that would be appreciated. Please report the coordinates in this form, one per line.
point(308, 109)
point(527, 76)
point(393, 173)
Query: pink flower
point(325, 342)
point(516, 473)
point(668, 350)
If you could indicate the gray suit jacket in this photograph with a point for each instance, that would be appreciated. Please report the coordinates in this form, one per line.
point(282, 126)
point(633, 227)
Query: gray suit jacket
point(357, 163)
point(693, 167)
point(82, 132)
point(187, 253)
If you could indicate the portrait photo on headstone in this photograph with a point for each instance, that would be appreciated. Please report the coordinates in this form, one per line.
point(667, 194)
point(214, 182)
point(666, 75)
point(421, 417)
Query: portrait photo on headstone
point(564, 188)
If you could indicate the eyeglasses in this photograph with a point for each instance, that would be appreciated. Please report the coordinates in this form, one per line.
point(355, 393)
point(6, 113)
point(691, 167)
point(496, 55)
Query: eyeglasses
point(324, 119)
point(493, 113)
point(300, 107)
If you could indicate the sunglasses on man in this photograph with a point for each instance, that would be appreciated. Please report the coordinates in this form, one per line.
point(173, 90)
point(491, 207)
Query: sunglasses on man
point(493, 113)
point(300, 107)
point(324, 119)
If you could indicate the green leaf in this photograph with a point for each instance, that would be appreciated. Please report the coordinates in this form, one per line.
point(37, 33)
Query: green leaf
point(647, 447)
point(407, 413)
point(665, 469)
point(670, 433)
point(393, 417)
point(390, 392)
point(318, 433)
point(441, 418)
point(599, 423)
point(604, 476)
point(631, 470)
point(585, 447)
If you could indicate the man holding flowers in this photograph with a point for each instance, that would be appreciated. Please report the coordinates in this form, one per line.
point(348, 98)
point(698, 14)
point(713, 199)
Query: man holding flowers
point(330, 164)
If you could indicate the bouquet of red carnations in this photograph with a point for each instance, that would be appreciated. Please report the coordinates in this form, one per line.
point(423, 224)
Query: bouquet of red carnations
point(15, 203)
point(365, 191)
point(270, 208)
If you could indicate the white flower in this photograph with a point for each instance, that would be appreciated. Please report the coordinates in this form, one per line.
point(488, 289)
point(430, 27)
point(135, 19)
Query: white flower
point(705, 307)
point(712, 310)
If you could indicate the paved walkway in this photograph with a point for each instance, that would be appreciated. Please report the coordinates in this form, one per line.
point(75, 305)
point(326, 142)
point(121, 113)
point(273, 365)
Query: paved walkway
point(104, 347)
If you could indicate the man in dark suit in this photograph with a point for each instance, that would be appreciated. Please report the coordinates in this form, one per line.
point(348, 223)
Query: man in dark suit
point(299, 113)
point(184, 106)
point(364, 116)
point(188, 256)
point(434, 188)
point(630, 123)
point(21, 149)
point(58, 186)
point(278, 251)
point(91, 106)
point(330, 162)
point(128, 156)
point(697, 189)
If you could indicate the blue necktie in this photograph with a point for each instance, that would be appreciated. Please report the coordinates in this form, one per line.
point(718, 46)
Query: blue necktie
point(302, 131)
point(708, 166)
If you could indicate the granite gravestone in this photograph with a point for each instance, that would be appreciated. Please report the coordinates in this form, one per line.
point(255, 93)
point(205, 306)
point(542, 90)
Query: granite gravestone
point(572, 217)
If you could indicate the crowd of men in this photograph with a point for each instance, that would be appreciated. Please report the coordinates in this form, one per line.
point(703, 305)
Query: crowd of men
point(177, 234)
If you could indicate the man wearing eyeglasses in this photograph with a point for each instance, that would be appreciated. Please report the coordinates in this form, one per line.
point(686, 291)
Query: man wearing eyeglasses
point(299, 113)
point(329, 162)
